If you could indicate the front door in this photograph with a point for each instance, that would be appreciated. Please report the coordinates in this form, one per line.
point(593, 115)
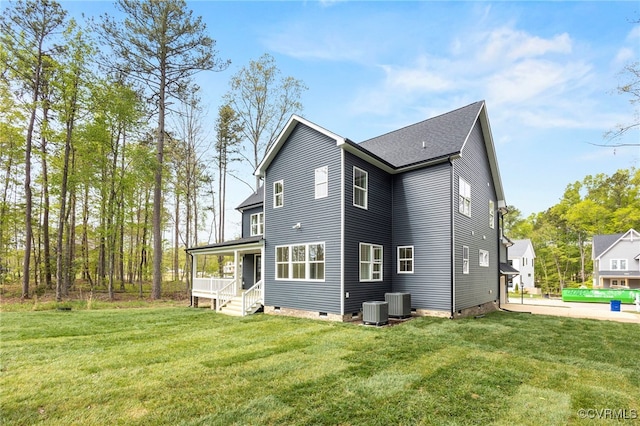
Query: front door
point(257, 268)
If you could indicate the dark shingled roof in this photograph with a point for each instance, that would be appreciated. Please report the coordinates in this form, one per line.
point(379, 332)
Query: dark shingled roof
point(256, 199)
point(238, 242)
point(443, 135)
point(603, 242)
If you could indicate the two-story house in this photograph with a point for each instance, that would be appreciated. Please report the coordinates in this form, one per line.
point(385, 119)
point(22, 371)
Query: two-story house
point(521, 257)
point(616, 260)
point(336, 223)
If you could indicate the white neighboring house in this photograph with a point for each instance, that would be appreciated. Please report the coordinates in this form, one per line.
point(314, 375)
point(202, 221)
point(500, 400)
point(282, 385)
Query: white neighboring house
point(616, 260)
point(521, 255)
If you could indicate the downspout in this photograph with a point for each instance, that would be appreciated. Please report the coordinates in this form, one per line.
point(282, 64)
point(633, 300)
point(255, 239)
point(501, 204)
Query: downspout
point(453, 243)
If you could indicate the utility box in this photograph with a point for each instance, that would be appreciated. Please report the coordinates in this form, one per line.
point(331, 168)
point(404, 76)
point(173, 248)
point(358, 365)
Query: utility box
point(399, 304)
point(376, 313)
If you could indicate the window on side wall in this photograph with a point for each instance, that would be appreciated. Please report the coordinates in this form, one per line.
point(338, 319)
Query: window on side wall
point(300, 262)
point(464, 191)
point(405, 259)
point(278, 194)
point(492, 215)
point(360, 188)
point(257, 224)
point(483, 258)
point(618, 264)
point(322, 182)
point(370, 262)
point(465, 259)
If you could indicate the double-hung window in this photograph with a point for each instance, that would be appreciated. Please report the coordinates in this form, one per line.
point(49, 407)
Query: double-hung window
point(464, 191)
point(492, 215)
point(483, 258)
point(360, 188)
point(465, 259)
point(257, 224)
point(618, 264)
point(370, 262)
point(300, 262)
point(278, 194)
point(322, 182)
point(405, 259)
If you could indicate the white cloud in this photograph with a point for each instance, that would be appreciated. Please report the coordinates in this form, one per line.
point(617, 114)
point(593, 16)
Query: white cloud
point(506, 43)
point(634, 34)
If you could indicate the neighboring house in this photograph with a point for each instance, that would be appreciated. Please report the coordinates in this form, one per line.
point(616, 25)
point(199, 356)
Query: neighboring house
point(335, 224)
point(616, 260)
point(521, 256)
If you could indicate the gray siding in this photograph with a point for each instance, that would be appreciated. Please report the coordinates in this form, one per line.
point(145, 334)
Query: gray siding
point(303, 152)
point(371, 226)
point(246, 220)
point(248, 271)
point(481, 284)
point(422, 218)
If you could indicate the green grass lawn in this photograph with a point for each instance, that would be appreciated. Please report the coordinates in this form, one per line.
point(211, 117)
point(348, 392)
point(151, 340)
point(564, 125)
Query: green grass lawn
point(182, 366)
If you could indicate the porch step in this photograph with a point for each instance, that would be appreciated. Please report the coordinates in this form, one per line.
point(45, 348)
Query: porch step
point(234, 307)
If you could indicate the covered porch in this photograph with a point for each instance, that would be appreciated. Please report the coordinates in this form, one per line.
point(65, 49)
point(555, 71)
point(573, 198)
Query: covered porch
point(239, 290)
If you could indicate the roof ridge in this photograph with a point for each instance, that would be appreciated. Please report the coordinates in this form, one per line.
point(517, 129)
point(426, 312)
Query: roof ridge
point(421, 121)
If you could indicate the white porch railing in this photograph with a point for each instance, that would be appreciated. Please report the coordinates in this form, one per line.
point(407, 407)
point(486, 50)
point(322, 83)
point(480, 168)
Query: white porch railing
point(208, 287)
point(225, 294)
point(252, 297)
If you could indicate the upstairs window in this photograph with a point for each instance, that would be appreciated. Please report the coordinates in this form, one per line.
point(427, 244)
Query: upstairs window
point(492, 215)
point(360, 187)
point(464, 190)
point(278, 194)
point(483, 258)
point(322, 182)
point(370, 262)
point(618, 264)
point(405, 259)
point(257, 224)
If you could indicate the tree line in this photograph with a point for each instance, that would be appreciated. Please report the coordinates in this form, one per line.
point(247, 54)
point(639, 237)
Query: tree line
point(562, 235)
point(105, 148)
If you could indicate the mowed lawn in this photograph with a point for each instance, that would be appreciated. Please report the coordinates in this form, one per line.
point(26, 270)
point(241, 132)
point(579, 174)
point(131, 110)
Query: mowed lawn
point(181, 366)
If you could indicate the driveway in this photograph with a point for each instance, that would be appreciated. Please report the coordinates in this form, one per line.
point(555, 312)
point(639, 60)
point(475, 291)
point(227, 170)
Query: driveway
point(557, 307)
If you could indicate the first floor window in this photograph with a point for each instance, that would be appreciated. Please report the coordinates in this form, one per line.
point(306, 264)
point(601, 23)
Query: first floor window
point(405, 259)
point(282, 262)
point(303, 262)
point(618, 264)
point(464, 191)
point(278, 193)
point(370, 262)
point(257, 224)
point(465, 259)
point(484, 258)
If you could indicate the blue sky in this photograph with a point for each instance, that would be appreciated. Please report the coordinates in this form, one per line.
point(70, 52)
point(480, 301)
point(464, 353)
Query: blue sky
point(548, 72)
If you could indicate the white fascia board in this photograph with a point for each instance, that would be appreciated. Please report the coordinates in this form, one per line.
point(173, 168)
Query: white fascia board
point(363, 155)
point(230, 249)
point(284, 134)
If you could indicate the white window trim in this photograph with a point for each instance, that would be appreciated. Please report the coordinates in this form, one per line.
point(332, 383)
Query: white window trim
point(465, 260)
point(618, 261)
point(483, 258)
point(464, 195)
point(360, 188)
point(307, 263)
point(492, 214)
point(259, 224)
point(400, 259)
point(321, 187)
point(372, 248)
point(275, 194)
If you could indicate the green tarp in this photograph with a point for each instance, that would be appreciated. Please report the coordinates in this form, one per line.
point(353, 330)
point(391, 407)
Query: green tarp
point(598, 295)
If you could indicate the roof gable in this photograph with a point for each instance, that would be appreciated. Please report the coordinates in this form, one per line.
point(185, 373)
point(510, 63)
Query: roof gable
point(254, 200)
point(604, 243)
point(519, 248)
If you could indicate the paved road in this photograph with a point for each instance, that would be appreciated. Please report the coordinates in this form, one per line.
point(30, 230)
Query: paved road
point(557, 307)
